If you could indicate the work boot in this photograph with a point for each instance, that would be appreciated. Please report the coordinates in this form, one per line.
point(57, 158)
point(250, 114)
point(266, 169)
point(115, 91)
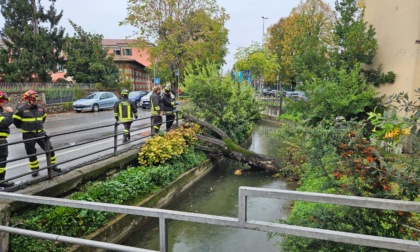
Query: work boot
point(35, 172)
point(7, 184)
point(56, 169)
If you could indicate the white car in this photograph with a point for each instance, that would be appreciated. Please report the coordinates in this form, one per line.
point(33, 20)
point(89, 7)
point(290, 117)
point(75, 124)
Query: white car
point(145, 100)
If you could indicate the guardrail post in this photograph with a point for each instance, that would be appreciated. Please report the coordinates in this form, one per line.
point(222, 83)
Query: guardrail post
point(163, 235)
point(115, 138)
point(176, 118)
point(48, 150)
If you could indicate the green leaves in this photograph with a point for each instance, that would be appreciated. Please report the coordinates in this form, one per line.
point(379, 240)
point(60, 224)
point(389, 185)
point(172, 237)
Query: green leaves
point(88, 61)
point(182, 32)
point(32, 51)
point(127, 185)
point(218, 100)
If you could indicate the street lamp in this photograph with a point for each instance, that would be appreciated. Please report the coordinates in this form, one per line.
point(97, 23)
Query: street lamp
point(262, 41)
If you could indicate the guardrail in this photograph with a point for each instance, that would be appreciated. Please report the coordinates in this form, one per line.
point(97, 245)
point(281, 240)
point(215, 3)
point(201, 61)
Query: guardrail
point(240, 222)
point(114, 147)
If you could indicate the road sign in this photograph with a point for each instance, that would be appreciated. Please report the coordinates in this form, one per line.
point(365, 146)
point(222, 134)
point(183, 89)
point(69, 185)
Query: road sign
point(246, 73)
point(157, 80)
point(176, 73)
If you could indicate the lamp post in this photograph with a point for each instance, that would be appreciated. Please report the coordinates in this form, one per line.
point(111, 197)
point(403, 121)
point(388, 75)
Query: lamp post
point(262, 41)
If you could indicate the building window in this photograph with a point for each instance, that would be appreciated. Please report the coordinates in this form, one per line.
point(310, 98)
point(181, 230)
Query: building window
point(127, 52)
point(117, 52)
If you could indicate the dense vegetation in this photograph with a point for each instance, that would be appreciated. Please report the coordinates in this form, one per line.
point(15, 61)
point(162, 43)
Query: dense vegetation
point(129, 185)
point(218, 100)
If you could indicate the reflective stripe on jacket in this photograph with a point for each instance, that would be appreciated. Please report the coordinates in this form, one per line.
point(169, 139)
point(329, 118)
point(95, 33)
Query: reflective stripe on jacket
point(29, 118)
point(125, 109)
point(6, 120)
point(168, 104)
point(155, 104)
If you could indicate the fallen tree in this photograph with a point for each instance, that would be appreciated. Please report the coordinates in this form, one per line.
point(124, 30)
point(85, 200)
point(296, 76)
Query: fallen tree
point(224, 146)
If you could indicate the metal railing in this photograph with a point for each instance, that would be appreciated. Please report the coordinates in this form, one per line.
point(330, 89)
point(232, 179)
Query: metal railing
point(114, 135)
point(240, 222)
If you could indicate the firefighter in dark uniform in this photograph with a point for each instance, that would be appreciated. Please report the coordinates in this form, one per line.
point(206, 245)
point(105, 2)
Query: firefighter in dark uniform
point(156, 109)
point(124, 110)
point(168, 102)
point(30, 118)
point(6, 119)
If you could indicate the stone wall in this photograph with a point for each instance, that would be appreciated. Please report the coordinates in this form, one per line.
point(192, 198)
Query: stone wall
point(17, 100)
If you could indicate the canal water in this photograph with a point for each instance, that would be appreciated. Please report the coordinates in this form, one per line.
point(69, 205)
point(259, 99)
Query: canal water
point(217, 194)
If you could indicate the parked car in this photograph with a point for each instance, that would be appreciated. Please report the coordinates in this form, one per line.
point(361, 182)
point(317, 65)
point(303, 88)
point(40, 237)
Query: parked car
point(135, 96)
point(297, 95)
point(145, 100)
point(266, 91)
point(95, 101)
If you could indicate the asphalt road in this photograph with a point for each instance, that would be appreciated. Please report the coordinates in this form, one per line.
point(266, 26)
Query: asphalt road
point(57, 124)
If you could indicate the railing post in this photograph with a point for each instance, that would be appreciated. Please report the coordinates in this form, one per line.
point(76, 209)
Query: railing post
point(115, 138)
point(163, 235)
point(176, 118)
point(242, 206)
point(48, 150)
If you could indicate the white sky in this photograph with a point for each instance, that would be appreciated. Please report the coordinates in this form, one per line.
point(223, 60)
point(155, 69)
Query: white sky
point(245, 24)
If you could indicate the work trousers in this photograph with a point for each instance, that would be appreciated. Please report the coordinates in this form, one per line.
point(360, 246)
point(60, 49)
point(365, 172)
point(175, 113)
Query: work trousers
point(30, 148)
point(169, 121)
point(156, 122)
point(4, 153)
point(126, 136)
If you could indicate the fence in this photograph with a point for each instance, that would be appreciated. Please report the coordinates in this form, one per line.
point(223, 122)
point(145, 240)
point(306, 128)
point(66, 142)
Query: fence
point(240, 222)
point(54, 92)
point(114, 147)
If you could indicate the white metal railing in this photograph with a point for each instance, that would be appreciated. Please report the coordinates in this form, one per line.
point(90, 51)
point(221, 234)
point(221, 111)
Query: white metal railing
point(241, 222)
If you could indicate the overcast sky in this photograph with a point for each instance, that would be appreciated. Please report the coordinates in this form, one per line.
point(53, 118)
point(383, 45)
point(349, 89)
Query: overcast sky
point(245, 25)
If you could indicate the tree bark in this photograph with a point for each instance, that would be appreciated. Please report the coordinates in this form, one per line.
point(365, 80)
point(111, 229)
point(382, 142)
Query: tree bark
point(227, 148)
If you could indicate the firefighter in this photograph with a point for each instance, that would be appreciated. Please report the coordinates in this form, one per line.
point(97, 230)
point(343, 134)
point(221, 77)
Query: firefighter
point(168, 102)
point(6, 119)
point(156, 109)
point(30, 118)
point(124, 110)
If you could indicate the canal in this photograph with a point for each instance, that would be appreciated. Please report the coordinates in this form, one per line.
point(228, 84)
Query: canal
point(217, 194)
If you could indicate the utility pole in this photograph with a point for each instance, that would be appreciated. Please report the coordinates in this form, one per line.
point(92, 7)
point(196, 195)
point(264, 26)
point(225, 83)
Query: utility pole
point(263, 33)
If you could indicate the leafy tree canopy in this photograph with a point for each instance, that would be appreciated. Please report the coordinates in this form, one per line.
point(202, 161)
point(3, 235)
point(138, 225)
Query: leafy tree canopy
point(259, 61)
point(87, 60)
point(218, 100)
point(33, 41)
point(182, 31)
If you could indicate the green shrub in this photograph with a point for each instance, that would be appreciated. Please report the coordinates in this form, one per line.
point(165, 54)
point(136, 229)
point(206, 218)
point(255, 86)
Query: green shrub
point(123, 187)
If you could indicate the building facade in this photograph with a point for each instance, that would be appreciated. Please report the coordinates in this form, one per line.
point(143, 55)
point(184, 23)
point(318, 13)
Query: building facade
point(397, 25)
point(131, 61)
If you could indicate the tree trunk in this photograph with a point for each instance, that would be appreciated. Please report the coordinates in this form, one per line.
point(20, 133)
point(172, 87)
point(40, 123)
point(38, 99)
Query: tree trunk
point(227, 148)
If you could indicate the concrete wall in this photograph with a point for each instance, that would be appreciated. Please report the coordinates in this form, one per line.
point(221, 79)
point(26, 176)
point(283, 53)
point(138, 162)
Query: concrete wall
point(397, 25)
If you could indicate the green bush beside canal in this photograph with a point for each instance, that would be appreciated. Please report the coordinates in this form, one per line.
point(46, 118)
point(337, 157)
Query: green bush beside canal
point(126, 186)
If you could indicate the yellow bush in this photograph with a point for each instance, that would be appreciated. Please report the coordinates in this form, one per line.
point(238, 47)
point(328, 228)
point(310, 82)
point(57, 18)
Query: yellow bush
point(159, 149)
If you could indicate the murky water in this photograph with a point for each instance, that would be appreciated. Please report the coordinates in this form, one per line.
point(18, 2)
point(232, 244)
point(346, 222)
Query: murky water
point(217, 194)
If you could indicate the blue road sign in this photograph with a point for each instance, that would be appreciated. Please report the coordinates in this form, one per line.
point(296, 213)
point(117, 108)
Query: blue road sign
point(157, 80)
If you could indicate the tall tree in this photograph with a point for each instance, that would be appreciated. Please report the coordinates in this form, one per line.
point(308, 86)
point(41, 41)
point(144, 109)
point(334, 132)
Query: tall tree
point(305, 36)
point(183, 31)
point(33, 41)
point(259, 61)
point(355, 41)
point(87, 60)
